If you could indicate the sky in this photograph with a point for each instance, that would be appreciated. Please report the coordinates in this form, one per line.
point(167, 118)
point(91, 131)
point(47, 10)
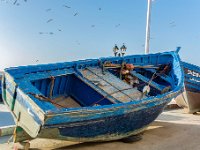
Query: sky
point(48, 31)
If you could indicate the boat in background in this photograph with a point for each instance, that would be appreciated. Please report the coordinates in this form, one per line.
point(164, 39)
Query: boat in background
point(91, 100)
point(190, 98)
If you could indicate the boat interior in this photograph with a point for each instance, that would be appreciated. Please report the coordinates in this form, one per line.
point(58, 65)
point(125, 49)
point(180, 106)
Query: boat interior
point(105, 84)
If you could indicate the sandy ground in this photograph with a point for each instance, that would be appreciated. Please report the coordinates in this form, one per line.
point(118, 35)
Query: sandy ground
point(173, 130)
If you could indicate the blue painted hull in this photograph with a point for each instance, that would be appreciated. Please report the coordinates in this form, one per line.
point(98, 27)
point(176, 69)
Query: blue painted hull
point(114, 117)
point(108, 128)
point(191, 96)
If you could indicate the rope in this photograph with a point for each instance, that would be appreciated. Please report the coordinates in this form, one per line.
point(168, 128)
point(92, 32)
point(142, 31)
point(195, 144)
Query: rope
point(15, 129)
point(43, 98)
point(155, 73)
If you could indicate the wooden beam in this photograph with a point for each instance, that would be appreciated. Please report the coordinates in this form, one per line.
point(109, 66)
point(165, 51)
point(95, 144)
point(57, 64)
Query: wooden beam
point(147, 80)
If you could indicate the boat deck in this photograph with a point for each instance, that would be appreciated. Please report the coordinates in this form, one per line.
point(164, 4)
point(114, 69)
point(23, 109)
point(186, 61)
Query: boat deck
point(111, 84)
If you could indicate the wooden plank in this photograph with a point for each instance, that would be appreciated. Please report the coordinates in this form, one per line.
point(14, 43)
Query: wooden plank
point(164, 77)
point(147, 80)
point(111, 84)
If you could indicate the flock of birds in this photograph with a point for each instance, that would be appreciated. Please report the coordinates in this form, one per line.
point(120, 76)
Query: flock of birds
point(75, 14)
point(18, 2)
point(15, 2)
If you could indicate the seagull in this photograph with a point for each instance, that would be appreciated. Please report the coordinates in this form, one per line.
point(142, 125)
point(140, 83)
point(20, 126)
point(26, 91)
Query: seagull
point(173, 26)
point(51, 33)
point(172, 22)
point(15, 2)
point(99, 9)
point(48, 9)
point(117, 25)
point(66, 6)
point(59, 30)
point(77, 42)
point(75, 14)
point(92, 26)
point(36, 60)
point(49, 20)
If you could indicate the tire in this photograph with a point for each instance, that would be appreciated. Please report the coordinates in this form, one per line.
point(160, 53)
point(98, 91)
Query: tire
point(133, 138)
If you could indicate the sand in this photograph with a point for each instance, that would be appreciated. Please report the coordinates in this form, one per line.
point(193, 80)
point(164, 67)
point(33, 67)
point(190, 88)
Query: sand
point(172, 130)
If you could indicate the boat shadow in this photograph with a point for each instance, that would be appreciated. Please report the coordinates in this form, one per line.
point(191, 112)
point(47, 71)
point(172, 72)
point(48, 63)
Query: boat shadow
point(159, 135)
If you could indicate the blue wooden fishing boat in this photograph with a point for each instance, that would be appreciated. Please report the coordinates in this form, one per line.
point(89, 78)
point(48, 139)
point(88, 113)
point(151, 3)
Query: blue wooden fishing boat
point(91, 100)
point(190, 98)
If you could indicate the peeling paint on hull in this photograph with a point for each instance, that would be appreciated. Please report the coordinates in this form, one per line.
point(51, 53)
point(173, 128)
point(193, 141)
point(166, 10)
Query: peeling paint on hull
point(110, 120)
point(110, 128)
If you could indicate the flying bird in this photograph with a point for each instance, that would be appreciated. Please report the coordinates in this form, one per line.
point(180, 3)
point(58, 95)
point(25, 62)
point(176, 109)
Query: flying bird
point(59, 30)
point(99, 9)
point(77, 42)
point(173, 25)
point(49, 20)
point(49, 9)
point(66, 6)
point(117, 25)
point(51, 33)
point(92, 26)
point(75, 14)
point(15, 2)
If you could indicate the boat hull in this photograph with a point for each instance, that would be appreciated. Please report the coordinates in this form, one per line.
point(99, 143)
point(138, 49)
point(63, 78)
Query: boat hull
point(36, 117)
point(190, 98)
point(102, 129)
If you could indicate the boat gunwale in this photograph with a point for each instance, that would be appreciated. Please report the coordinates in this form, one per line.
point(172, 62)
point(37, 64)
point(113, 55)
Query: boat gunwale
point(142, 101)
point(190, 65)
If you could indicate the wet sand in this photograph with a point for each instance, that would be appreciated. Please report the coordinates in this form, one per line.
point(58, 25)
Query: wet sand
point(173, 130)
